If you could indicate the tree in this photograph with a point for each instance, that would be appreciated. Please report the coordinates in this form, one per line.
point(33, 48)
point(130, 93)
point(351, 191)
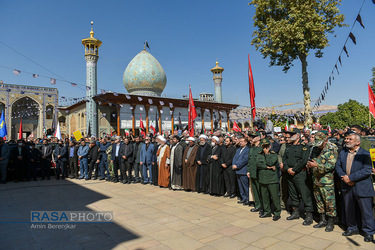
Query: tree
point(347, 114)
point(288, 29)
point(373, 79)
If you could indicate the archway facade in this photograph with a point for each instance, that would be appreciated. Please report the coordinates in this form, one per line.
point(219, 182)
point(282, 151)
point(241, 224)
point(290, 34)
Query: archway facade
point(28, 110)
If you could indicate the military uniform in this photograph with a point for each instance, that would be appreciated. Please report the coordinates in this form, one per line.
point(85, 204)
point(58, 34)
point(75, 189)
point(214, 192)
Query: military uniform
point(323, 179)
point(268, 181)
point(252, 169)
point(295, 158)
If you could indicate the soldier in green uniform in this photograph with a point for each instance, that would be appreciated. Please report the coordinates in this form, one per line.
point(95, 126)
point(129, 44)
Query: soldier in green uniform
point(322, 164)
point(110, 164)
point(266, 162)
point(294, 161)
point(252, 172)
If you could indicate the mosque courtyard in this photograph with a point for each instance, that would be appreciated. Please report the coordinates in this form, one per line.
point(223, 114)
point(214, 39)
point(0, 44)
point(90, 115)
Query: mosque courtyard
point(148, 217)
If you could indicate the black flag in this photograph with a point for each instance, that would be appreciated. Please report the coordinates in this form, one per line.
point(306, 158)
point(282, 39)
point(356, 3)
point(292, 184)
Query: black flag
point(329, 80)
point(359, 19)
point(347, 54)
point(340, 61)
point(157, 122)
point(337, 69)
point(353, 38)
point(146, 44)
point(373, 1)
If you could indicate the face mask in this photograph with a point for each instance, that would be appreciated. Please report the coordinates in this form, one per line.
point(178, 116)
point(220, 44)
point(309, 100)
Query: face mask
point(213, 144)
point(20, 144)
point(187, 142)
point(31, 147)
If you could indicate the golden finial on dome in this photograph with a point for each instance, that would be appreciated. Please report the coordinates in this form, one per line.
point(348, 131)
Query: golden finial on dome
point(92, 29)
point(217, 69)
point(91, 44)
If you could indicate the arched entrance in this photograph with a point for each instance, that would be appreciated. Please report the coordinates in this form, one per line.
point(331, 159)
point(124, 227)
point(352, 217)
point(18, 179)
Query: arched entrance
point(27, 109)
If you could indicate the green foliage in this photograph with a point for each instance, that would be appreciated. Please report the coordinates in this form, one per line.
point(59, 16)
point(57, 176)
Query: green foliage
point(289, 29)
point(347, 114)
point(373, 79)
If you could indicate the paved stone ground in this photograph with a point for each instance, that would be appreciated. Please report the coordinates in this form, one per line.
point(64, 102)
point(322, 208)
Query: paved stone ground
point(148, 217)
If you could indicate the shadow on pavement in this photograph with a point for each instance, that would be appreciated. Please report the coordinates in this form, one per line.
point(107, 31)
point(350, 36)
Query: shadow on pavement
point(17, 200)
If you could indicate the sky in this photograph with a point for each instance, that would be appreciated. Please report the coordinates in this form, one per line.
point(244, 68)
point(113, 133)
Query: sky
point(186, 37)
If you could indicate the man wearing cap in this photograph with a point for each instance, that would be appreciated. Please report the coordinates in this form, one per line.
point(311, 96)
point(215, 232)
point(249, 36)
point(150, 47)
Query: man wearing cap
point(163, 158)
point(189, 165)
point(204, 150)
point(177, 152)
point(252, 172)
point(147, 159)
point(295, 159)
point(216, 186)
point(266, 162)
point(322, 164)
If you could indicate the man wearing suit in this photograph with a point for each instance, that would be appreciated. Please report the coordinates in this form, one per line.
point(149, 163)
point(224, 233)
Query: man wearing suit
point(137, 145)
point(19, 157)
point(239, 165)
point(147, 159)
point(61, 158)
point(354, 168)
point(115, 156)
point(126, 153)
point(4, 159)
point(45, 163)
point(229, 176)
point(73, 160)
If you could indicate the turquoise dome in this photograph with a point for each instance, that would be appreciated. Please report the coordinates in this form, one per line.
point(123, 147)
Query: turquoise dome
point(144, 75)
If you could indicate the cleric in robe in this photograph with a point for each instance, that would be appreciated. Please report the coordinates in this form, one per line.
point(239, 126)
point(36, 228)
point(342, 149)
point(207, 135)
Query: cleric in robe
point(177, 151)
point(189, 165)
point(216, 171)
point(163, 159)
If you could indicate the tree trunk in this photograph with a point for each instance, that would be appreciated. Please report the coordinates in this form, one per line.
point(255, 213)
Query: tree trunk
point(306, 92)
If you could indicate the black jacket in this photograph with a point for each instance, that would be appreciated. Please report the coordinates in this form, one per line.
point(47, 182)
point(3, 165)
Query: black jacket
point(127, 151)
point(228, 155)
point(93, 154)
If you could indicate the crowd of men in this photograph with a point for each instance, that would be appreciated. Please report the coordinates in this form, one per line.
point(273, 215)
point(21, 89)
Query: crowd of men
point(304, 172)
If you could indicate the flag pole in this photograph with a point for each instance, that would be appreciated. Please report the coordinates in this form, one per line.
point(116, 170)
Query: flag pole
point(369, 118)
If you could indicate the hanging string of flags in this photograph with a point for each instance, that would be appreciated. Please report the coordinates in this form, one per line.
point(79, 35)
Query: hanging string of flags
point(68, 101)
point(331, 78)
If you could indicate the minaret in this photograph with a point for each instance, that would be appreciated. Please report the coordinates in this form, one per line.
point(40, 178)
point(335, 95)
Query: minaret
point(91, 56)
point(217, 70)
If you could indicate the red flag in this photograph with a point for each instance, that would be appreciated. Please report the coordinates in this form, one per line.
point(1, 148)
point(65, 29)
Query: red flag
point(142, 127)
point(371, 100)
point(251, 90)
point(235, 127)
point(192, 113)
point(20, 131)
point(153, 130)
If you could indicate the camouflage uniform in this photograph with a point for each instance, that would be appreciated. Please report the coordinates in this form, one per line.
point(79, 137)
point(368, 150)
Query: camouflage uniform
point(323, 177)
point(110, 164)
